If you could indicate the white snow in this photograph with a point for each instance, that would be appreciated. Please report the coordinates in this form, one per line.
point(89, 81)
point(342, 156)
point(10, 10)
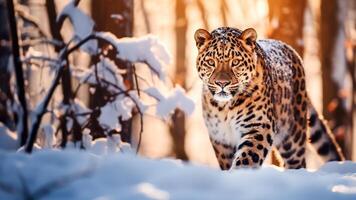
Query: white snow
point(177, 99)
point(8, 139)
point(35, 57)
point(122, 105)
point(77, 107)
point(155, 93)
point(87, 138)
point(82, 24)
point(81, 175)
point(112, 111)
point(118, 17)
point(146, 49)
point(166, 104)
point(142, 107)
point(46, 137)
point(103, 146)
point(105, 70)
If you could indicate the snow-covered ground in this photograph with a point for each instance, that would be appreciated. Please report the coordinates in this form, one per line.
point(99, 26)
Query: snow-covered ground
point(70, 174)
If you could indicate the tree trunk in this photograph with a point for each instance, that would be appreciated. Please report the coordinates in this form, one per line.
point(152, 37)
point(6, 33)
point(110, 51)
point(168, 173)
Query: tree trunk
point(103, 13)
point(351, 62)
point(6, 95)
point(66, 81)
point(334, 71)
point(352, 65)
point(286, 22)
point(22, 127)
point(178, 127)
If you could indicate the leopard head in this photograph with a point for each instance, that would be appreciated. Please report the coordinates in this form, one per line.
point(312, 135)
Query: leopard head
point(226, 61)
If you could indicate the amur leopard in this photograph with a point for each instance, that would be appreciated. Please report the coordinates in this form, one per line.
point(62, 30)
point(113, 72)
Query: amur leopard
point(254, 98)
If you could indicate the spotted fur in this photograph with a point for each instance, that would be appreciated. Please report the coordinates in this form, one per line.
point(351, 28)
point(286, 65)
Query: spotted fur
point(254, 98)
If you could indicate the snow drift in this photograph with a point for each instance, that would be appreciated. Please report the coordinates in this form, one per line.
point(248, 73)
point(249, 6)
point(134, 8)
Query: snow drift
point(81, 175)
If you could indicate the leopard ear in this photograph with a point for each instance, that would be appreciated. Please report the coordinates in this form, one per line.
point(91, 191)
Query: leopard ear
point(201, 36)
point(249, 37)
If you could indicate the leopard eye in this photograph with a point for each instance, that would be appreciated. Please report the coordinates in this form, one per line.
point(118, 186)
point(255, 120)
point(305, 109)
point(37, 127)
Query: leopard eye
point(211, 62)
point(235, 62)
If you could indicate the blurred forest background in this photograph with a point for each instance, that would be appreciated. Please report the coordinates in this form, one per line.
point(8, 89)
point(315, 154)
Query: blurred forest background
point(323, 32)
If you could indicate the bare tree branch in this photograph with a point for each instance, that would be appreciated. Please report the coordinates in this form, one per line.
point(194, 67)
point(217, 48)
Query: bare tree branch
point(42, 107)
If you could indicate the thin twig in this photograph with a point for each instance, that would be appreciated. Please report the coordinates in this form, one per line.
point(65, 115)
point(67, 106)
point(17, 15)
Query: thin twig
point(140, 134)
point(143, 79)
point(136, 81)
point(141, 115)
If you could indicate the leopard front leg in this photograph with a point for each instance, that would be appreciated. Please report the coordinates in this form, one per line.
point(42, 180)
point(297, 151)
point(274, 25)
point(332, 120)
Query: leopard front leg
point(254, 146)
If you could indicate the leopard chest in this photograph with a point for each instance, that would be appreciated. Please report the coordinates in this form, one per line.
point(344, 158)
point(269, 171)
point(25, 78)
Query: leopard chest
point(221, 124)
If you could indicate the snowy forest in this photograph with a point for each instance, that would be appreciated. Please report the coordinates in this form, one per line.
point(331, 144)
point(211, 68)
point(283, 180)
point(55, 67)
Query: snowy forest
point(101, 99)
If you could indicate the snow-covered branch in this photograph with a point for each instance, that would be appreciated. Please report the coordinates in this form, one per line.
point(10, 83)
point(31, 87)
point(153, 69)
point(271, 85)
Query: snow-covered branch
point(120, 100)
point(145, 49)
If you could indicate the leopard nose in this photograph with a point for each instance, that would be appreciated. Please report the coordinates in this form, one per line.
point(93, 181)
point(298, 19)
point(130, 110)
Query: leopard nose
point(222, 83)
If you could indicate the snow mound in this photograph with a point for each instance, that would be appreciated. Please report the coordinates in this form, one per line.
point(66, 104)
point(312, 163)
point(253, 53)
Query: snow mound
point(347, 167)
point(82, 175)
point(8, 139)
